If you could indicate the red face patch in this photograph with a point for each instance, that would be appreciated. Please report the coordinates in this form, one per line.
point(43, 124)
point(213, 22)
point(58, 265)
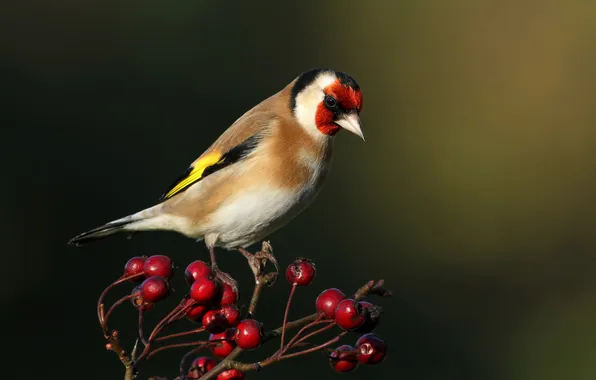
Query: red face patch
point(324, 120)
point(348, 98)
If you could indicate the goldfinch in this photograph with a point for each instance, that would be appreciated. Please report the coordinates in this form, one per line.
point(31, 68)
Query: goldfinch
point(260, 173)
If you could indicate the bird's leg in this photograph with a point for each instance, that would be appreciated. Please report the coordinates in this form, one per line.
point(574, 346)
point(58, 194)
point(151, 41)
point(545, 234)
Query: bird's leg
point(222, 276)
point(258, 260)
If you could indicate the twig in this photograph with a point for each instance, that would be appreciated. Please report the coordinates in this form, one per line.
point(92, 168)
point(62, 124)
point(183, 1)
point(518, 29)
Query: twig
point(115, 305)
point(317, 348)
point(262, 281)
point(177, 345)
point(287, 312)
point(141, 335)
point(100, 303)
point(316, 322)
point(125, 358)
point(255, 297)
point(310, 350)
point(183, 333)
point(307, 336)
point(160, 326)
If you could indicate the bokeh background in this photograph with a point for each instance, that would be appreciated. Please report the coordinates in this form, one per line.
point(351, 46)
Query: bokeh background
point(474, 195)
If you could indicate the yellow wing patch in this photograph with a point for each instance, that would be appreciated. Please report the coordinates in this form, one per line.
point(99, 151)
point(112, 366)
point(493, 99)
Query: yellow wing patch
point(194, 174)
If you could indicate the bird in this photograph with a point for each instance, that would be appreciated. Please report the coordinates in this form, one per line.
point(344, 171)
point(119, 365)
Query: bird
point(263, 171)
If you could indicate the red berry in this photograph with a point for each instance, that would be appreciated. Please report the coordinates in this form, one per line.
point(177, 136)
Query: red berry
point(249, 334)
point(214, 322)
point(231, 374)
point(193, 374)
point(195, 312)
point(222, 344)
point(203, 290)
point(343, 359)
point(328, 300)
point(349, 314)
point(203, 364)
point(371, 349)
point(138, 301)
point(301, 272)
point(231, 315)
point(197, 269)
point(154, 289)
point(371, 317)
point(228, 295)
point(135, 266)
point(158, 265)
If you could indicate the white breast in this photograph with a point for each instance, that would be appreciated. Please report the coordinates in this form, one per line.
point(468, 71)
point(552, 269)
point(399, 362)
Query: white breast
point(252, 215)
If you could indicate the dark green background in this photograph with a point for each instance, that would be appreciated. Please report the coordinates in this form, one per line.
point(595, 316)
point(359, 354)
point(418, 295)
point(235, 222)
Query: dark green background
point(473, 195)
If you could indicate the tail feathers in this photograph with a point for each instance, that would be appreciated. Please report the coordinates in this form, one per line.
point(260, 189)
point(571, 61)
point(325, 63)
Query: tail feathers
point(147, 219)
point(101, 232)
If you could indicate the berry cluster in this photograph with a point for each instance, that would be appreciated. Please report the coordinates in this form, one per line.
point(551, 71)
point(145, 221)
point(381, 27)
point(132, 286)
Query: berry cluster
point(213, 305)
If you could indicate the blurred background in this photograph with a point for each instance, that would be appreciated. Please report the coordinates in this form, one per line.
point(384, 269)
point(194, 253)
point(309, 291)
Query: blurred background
point(473, 195)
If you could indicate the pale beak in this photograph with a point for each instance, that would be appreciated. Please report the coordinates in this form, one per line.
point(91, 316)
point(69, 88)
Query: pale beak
point(351, 122)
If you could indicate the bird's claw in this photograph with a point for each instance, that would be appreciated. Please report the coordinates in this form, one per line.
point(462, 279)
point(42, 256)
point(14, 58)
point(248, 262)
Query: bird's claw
point(266, 254)
point(258, 260)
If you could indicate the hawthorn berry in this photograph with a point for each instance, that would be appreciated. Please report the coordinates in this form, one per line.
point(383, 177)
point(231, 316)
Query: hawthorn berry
point(138, 301)
point(301, 272)
point(371, 349)
point(197, 269)
point(228, 295)
point(203, 290)
point(193, 374)
point(231, 315)
point(135, 266)
point(343, 359)
point(158, 265)
point(231, 374)
point(154, 289)
point(195, 312)
point(328, 300)
point(214, 322)
point(203, 364)
point(371, 317)
point(349, 314)
point(223, 343)
point(249, 334)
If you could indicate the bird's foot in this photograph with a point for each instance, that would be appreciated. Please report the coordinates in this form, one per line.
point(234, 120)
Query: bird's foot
point(258, 261)
point(224, 277)
point(266, 253)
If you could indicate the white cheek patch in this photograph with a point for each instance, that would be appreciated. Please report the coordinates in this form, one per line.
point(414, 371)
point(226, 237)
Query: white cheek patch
point(309, 99)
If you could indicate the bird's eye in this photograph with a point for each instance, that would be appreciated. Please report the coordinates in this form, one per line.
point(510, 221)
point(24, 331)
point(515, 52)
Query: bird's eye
point(330, 101)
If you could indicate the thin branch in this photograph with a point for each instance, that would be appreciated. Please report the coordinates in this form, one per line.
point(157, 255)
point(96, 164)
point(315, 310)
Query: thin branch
point(183, 333)
point(160, 326)
point(317, 348)
point(177, 345)
point(100, 303)
point(287, 312)
point(115, 305)
point(307, 336)
point(125, 358)
point(141, 335)
point(316, 322)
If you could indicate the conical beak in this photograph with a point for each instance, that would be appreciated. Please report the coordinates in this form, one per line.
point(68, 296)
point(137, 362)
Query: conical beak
point(351, 122)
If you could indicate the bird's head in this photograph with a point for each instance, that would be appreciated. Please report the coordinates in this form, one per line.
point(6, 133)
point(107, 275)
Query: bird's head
point(324, 101)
